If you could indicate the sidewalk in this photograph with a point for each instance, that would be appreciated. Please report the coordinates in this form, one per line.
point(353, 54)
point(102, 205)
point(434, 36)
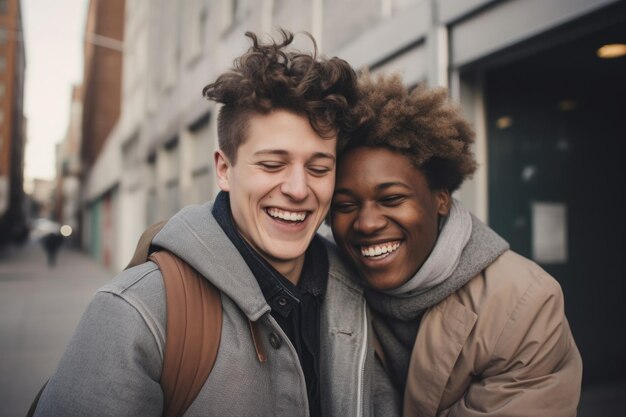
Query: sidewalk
point(39, 309)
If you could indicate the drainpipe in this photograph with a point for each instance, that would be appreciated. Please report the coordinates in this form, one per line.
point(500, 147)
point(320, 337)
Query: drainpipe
point(438, 50)
point(317, 23)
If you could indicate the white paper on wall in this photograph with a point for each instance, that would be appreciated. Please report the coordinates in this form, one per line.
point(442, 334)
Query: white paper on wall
point(549, 232)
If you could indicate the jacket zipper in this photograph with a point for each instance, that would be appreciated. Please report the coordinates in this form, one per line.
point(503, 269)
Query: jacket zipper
point(363, 354)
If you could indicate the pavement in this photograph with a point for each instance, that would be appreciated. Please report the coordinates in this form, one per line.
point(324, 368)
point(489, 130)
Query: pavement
point(40, 306)
point(39, 310)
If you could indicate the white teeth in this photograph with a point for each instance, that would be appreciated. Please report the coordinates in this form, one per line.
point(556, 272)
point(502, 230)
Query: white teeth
point(292, 216)
point(376, 250)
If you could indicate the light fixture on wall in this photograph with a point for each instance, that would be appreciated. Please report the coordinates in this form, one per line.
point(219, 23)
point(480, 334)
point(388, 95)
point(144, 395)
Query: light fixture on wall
point(567, 105)
point(504, 122)
point(611, 50)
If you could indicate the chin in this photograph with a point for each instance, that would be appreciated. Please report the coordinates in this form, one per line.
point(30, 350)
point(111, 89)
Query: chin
point(289, 251)
point(379, 283)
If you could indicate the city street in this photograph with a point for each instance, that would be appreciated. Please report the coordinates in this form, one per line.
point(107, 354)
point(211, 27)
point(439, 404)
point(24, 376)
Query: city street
point(39, 309)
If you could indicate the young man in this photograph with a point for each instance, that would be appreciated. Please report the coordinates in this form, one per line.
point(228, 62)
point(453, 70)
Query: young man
point(466, 326)
point(282, 116)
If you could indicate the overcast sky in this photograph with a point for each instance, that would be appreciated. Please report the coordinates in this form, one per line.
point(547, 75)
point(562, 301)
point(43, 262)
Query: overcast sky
point(53, 32)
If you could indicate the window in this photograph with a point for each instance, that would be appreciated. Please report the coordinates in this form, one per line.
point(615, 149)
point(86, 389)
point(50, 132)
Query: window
point(202, 185)
point(131, 163)
point(171, 159)
point(130, 154)
point(4, 6)
point(171, 174)
point(152, 206)
point(202, 182)
point(3, 63)
point(172, 197)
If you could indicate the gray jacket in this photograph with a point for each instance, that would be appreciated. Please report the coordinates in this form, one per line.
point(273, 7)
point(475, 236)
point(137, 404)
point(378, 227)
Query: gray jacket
point(113, 362)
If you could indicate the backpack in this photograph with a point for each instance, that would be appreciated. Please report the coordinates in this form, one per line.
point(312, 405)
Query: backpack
point(191, 345)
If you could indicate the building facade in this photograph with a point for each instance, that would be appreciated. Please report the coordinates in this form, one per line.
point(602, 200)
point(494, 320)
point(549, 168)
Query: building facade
point(101, 103)
point(546, 107)
point(12, 123)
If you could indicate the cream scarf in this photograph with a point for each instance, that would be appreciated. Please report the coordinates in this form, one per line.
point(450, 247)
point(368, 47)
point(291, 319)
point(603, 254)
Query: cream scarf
point(445, 256)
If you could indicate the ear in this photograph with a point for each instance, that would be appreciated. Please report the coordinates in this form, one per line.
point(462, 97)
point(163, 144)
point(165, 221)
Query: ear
point(222, 170)
point(444, 202)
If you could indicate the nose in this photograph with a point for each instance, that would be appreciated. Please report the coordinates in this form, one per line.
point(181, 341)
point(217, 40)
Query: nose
point(296, 185)
point(369, 220)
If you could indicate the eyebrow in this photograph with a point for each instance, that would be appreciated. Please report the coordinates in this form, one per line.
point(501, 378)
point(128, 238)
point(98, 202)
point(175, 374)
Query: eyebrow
point(284, 153)
point(318, 155)
point(378, 187)
point(390, 184)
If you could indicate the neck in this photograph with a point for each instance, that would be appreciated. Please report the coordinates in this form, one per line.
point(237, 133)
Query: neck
point(292, 270)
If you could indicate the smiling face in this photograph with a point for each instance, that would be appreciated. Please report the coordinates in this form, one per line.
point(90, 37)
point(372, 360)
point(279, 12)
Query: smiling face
point(280, 187)
point(384, 215)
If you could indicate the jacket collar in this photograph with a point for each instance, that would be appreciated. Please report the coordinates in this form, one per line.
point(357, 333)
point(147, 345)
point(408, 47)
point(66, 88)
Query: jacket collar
point(195, 236)
point(444, 331)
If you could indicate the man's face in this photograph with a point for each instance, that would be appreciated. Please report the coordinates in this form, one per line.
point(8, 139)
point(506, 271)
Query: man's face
point(384, 215)
point(280, 186)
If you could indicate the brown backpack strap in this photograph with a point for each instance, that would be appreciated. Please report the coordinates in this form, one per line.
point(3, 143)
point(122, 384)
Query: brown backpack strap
point(142, 251)
point(193, 332)
point(33, 406)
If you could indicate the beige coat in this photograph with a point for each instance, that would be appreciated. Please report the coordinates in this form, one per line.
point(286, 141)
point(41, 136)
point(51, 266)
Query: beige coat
point(499, 346)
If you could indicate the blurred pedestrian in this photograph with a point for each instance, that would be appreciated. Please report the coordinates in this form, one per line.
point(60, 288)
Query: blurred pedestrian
point(52, 243)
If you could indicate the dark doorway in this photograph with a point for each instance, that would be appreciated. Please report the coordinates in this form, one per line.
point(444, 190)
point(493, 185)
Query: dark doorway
point(557, 140)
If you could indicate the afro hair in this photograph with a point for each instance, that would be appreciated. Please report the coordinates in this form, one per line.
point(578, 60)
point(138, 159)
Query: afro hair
point(420, 123)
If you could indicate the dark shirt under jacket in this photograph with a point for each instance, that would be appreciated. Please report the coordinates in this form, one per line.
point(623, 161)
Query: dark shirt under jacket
point(295, 308)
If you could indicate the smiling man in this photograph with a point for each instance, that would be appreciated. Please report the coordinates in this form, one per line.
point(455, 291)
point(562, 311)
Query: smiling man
point(466, 326)
point(294, 336)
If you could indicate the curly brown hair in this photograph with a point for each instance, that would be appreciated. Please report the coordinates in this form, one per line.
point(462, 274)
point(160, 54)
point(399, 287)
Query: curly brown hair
point(420, 123)
point(268, 77)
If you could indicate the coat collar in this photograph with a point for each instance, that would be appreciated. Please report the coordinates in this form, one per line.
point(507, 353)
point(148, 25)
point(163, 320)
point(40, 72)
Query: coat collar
point(441, 337)
point(194, 235)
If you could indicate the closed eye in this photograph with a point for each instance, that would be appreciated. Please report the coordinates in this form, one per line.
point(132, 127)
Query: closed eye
point(343, 206)
point(392, 200)
point(319, 170)
point(270, 165)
